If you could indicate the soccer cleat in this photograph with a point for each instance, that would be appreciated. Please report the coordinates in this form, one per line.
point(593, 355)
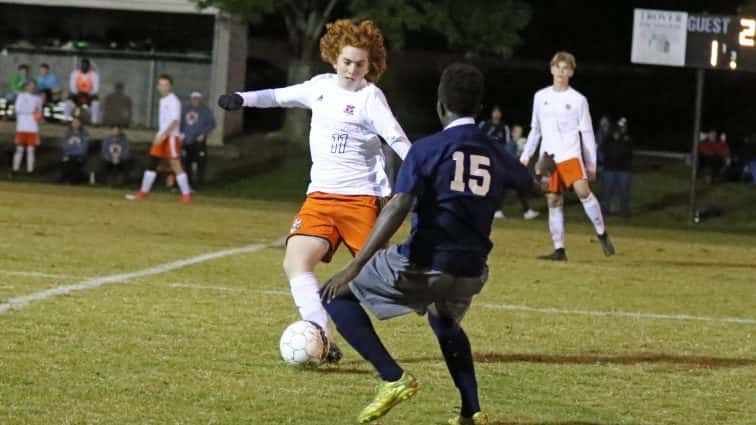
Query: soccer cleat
point(334, 354)
point(389, 395)
point(479, 418)
point(498, 214)
point(559, 254)
point(139, 196)
point(606, 245)
point(530, 214)
point(186, 199)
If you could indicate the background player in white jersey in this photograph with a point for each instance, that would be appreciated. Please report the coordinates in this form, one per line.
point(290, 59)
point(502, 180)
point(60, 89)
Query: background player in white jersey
point(347, 180)
point(562, 124)
point(166, 144)
point(28, 109)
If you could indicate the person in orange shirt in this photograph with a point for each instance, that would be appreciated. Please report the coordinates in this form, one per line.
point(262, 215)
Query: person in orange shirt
point(83, 89)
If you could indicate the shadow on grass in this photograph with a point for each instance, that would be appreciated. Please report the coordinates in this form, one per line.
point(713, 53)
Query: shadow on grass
point(341, 370)
point(546, 423)
point(629, 359)
point(703, 264)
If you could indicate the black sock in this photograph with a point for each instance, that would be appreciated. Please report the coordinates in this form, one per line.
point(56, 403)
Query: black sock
point(458, 355)
point(354, 325)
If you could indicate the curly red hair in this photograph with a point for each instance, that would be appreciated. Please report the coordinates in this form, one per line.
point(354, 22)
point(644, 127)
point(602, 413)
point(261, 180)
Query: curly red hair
point(365, 35)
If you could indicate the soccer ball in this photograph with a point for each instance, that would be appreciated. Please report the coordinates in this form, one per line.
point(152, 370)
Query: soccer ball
point(304, 343)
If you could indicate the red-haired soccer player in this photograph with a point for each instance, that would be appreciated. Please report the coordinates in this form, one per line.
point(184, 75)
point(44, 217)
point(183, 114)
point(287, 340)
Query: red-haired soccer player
point(348, 182)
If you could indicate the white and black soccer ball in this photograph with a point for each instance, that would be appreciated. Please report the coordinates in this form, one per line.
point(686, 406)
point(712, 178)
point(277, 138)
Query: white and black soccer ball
point(304, 343)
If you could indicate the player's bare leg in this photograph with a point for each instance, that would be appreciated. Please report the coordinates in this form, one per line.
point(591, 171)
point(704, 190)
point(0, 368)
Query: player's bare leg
point(592, 209)
point(182, 179)
point(555, 201)
point(303, 253)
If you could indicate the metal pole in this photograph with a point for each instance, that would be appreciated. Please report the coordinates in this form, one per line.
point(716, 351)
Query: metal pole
point(696, 138)
point(151, 93)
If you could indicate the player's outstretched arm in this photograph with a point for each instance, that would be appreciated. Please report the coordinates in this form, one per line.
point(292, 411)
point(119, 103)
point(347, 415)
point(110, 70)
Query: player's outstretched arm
point(388, 222)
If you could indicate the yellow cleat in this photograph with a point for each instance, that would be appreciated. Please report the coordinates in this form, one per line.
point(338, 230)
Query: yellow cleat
point(389, 395)
point(479, 418)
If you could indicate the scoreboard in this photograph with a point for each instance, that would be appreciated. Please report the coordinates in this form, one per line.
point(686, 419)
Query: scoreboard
point(662, 37)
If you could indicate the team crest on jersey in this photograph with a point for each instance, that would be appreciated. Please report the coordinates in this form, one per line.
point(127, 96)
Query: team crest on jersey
point(568, 106)
point(349, 110)
point(296, 225)
point(320, 98)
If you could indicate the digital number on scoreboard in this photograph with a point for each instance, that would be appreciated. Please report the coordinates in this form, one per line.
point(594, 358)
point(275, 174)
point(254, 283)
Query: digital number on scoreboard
point(662, 37)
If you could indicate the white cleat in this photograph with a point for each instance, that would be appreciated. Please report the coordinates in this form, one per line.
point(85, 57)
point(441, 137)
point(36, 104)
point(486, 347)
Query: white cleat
point(498, 214)
point(530, 214)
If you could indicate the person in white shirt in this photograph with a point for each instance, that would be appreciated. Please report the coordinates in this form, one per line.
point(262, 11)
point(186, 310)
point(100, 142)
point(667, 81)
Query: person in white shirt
point(348, 182)
point(28, 109)
point(562, 125)
point(166, 145)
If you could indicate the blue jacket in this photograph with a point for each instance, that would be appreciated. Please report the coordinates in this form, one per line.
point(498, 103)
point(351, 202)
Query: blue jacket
point(75, 144)
point(196, 121)
point(115, 147)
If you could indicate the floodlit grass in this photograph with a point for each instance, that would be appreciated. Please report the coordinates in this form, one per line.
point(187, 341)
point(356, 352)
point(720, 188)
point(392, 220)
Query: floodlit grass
point(198, 345)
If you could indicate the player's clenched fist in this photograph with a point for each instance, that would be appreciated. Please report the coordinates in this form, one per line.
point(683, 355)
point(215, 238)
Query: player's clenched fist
point(230, 102)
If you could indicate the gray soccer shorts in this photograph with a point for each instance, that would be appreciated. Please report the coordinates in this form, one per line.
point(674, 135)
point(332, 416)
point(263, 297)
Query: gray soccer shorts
point(390, 286)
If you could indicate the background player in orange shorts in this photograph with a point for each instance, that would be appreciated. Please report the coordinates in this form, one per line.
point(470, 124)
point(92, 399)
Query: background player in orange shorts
point(28, 109)
point(562, 124)
point(348, 180)
point(167, 144)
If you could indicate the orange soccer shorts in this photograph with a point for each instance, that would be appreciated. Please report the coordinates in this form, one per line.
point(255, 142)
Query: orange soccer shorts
point(168, 148)
point(566, 174)
point(337, 218)
point(25, 138)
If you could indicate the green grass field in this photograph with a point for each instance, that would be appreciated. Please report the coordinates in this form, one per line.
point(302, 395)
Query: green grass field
point(199, 344)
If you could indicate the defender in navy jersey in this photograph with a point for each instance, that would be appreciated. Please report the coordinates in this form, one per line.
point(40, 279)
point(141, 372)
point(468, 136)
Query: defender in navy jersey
point(455, 179)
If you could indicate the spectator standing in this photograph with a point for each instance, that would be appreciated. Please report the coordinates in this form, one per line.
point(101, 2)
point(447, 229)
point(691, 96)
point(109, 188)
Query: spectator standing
point(518, 139)
point(83, 89)
point(714, 156)
point(75, 145)
point(617, 152)
point(496, 129)
point(48, 84)
point(28, 112)
point(197, 122)
point(498, 133)
point(115, 158)
point(117, 108)
point(747, 154)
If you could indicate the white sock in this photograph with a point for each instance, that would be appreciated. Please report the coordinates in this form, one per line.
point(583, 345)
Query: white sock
point(183, 183)
point(556, 226)
point(593, 211)
point(17, 157)
point(30, 158)
point(304, 289)
point(147, 180)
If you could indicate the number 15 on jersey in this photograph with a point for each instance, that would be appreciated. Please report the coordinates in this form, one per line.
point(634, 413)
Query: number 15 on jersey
point(479, 181)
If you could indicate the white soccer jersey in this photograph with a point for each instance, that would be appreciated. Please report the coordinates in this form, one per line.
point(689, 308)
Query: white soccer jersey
point(344, 144)
point(26, 105)
point(170, 110)
point(559, 120)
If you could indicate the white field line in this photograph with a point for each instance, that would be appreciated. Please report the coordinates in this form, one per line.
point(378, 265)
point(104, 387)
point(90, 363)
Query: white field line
point(95, 282)
point(632, 315)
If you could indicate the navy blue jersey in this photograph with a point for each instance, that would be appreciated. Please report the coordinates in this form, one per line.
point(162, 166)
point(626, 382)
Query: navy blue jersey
point(459, 177)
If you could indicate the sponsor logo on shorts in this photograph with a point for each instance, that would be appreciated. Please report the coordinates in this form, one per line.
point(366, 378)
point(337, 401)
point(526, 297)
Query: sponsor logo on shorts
point(296, 225)
point(568, 106)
